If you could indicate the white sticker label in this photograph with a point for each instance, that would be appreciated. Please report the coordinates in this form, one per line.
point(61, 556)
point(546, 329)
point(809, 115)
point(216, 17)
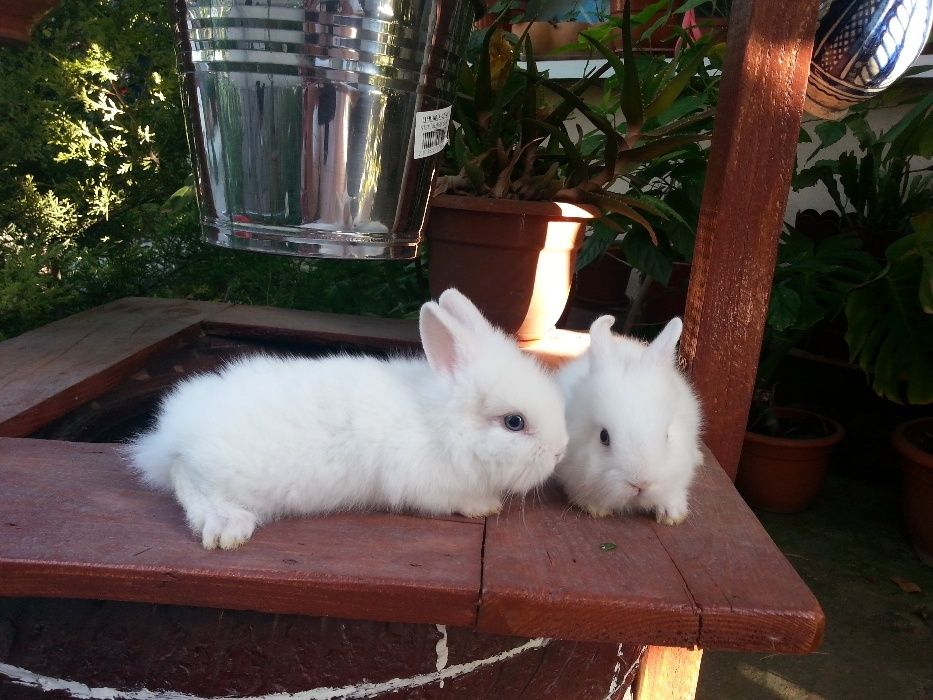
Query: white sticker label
point(431, 132)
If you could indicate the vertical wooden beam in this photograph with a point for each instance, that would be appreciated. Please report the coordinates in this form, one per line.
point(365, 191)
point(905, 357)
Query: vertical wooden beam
point(668, 673)
point(751, 161)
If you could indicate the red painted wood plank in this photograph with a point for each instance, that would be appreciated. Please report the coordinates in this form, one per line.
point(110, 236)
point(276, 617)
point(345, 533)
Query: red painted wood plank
point(73, 523)
point(47, 372)
point(293, 325)
point(545, 574)
point(749, 595)
point(716, 581)
point(751, 161)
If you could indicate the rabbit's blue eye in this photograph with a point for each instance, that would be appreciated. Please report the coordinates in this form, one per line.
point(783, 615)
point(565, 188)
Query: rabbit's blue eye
point(604, 436)
point(514, 422)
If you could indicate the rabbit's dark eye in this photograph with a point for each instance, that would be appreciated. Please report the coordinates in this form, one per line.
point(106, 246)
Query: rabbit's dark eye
point(604, 436)
point(514, 422)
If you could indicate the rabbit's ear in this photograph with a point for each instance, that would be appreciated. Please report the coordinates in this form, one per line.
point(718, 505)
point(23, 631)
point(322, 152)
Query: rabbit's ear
point(663, 349)
point(462, 309)
point(447, 344)
point(601, 341)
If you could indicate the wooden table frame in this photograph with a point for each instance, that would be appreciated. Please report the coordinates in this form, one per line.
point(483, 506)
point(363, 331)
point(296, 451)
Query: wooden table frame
point(715, 582)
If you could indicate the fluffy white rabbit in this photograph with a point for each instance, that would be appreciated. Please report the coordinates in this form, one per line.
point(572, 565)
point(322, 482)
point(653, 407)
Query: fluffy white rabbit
point(634, 425)
point(267, 437)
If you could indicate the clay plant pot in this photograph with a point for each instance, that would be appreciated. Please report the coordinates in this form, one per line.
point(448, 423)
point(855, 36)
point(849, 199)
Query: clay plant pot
point(547, 37)
point(19, 17)
point(514, 259)
point(914, 441)
point(784, 474)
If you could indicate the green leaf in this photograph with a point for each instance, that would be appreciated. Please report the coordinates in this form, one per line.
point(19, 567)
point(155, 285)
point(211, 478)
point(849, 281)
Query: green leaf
point(675, 87)
point(483, 94)
point(679, 124)
point(606, 52)
point(631, 87)
point(907, 121)
point(576, 102)
point(923, 230)
point(530, 106)
point(618, 204)
point(859, 126)
point(655, 149)
point(829, 132)
point(604, 233)
point(647, 258)
point(848, 177)
point(783, 308)
point(689, 5)
point(656, 206)
point(570, 149)
point(888, 331)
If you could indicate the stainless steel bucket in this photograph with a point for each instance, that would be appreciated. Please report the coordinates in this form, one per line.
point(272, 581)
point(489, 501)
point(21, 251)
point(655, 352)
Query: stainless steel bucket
point(314, 124)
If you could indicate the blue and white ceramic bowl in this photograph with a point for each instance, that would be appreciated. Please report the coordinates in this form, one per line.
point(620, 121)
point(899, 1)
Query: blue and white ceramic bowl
point(861, 47)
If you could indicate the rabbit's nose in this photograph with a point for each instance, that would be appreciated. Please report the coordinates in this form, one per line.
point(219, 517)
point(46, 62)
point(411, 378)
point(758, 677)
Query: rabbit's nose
point(639, 486)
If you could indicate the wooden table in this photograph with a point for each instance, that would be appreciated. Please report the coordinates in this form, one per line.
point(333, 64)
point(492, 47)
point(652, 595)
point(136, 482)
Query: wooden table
point(527, 604)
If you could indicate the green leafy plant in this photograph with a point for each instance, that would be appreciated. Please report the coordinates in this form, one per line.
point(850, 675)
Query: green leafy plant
point(95, 194)
point(890, 319)
point(678, 92)
point(884, 202)
point(511, 137)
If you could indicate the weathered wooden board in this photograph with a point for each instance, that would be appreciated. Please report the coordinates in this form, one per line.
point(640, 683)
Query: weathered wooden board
point(716, 581)
point(46, 372)
point(75, 524)
point(749, 595)
point(545, 573)
point(751, 161)
point(291, 325)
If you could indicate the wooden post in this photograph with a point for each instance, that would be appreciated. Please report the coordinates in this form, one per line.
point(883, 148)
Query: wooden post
point(668, 673)
point(751, 162)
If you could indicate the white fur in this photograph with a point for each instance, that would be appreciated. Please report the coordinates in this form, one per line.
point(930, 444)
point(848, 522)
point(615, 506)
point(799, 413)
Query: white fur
point(635, 392)
point(267, 437)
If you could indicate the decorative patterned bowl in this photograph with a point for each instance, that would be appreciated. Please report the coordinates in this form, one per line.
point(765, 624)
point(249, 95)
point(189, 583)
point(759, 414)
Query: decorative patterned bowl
point(861, 47)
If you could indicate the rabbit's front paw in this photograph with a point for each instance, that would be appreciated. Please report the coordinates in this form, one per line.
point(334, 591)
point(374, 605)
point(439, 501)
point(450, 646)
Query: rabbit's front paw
point(597, 511)
point(227, 527)
point(481, 507)
point(667, 515)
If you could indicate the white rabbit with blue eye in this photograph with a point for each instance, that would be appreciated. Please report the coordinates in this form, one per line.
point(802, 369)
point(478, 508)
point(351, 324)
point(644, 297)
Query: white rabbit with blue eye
point(268, 437)
point(634, 424)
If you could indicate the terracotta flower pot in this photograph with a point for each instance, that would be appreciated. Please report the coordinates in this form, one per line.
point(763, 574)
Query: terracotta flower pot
point(913, 440)
point(513, 259)
point(781, 474)
point(547, 38)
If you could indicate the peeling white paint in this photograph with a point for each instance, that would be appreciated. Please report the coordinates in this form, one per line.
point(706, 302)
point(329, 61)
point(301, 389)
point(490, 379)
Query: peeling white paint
point(80, 691)
point(614, 683)
point(441, 649)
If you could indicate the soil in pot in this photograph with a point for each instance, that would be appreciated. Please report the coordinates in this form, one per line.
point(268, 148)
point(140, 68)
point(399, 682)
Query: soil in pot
point(914, 442)
point(782, 473)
